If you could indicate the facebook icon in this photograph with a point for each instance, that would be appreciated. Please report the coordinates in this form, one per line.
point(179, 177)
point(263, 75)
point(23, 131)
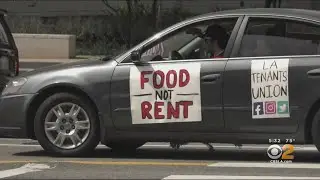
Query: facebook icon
point(258, 108)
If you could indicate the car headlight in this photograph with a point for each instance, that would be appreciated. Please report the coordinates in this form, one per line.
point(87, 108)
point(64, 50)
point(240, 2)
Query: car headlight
point(14, 86)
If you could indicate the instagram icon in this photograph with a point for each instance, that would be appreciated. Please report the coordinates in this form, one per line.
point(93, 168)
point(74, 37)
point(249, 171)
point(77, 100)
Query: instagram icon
point(270, 107)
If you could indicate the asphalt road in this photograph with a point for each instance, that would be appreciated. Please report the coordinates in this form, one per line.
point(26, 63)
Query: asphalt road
point(25, 159)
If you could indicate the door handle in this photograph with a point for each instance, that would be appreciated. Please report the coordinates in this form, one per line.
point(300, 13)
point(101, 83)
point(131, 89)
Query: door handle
point(210, 78)
point(314, 73)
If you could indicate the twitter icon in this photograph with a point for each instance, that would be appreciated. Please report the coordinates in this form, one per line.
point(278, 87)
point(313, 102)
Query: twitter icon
point(283, 107)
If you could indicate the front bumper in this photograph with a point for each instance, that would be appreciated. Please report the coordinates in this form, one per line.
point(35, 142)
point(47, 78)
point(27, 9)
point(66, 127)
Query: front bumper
point(13, 115)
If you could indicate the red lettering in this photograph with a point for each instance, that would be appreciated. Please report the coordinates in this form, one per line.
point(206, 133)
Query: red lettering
point(171, 111)
point(174, 83)
point(155, 74)
point(170, 78)
point(145, 109)
point(158, 109)
point(185, 105)
point(183, 72)
point(143, 80)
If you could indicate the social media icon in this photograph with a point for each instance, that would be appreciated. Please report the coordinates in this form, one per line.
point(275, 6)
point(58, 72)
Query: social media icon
point(270, 107)
point(258, 108)
point(283, 107)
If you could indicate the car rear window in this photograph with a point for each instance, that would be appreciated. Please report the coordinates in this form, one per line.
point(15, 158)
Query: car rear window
point(279, 37)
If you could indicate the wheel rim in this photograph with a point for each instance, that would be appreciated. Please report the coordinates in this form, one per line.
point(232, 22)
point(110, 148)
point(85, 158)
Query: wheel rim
point(67, 125)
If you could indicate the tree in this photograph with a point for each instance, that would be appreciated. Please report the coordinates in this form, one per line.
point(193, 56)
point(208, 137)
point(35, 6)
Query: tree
point(241, 3)
point(106, 3)
point(155, 14)
point(129, 31)
point(131, 13)
point(33, 4)
point(275, 3)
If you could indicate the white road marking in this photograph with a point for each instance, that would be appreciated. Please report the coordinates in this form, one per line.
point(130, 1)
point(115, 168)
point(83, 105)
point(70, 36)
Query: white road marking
point(26, 69)
point(182, 147)
point(233, 177)
point(15, 139)
point(27, 168)
point(166, 144)
point(266, 165)
point(20, 145)
point(100, 145)
point(257, 147)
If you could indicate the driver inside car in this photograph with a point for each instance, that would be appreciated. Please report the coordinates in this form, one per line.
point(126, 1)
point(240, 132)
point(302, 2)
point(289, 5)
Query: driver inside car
point(216, 39)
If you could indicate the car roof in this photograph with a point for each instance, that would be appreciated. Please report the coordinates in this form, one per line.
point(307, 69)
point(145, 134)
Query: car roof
point(302, 13)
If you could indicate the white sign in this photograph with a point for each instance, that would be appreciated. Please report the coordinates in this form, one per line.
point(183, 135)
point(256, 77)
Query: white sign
point(269, 88)
point(165, 93)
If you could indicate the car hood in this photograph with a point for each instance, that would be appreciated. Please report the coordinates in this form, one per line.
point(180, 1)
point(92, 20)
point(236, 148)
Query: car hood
point(67, 65)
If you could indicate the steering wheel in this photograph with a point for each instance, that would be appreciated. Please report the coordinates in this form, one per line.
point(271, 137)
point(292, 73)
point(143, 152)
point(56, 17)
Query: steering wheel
point(175, 55)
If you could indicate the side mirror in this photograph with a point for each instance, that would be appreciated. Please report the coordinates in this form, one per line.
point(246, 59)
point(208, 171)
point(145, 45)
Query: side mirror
point(135, 56)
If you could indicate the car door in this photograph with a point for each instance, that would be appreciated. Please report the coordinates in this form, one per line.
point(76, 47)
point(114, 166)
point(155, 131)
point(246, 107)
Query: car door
point(266, 77)
point(171, 94)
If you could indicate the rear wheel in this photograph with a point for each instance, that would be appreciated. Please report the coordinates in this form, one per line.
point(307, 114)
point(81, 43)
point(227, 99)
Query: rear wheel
point(67, 125)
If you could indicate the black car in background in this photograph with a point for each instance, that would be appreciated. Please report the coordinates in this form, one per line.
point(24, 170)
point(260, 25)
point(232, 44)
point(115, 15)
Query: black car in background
point(9, 58)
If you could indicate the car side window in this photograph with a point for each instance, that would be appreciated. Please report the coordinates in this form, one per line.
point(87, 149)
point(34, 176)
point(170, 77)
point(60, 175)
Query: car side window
point(279, 37)
point(171, 43)
point(185, 43)
point(3, 34)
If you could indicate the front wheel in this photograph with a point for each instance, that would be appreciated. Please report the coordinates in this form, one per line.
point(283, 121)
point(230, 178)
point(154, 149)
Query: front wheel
point(67, 125)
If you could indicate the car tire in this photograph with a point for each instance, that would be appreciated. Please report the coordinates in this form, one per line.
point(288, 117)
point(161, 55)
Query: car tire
point(92, 132)
point(124, 147)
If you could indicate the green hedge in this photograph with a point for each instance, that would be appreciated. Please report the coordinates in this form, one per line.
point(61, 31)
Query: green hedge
point(99, 35)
